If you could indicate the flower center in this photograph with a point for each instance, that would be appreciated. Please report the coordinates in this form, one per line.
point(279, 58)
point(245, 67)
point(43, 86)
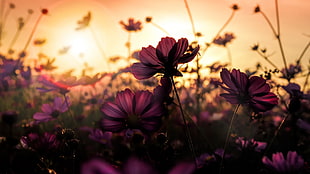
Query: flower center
point(55, 114)
point(133, 121)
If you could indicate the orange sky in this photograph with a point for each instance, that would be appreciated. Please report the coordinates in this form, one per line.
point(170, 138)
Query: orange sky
point(209, 15)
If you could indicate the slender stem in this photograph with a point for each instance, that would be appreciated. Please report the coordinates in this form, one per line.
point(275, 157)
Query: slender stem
point(161, 28)
point(32, 32)
point(128, 44)
point(275, 134)
point(187, 131)
point(227, 137)
point(278, 17)
point(97, 42)
point(303, 53)
point(225, 24)
point(190, 18)
point(269, 23)
point(267, 59)
point(306, 81)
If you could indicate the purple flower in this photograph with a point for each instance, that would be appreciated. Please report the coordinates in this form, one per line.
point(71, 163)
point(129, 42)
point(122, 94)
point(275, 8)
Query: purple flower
point(292, 164)
point(52, 110)
point(223, 40)
point(291, 72)
point(253, 91)
point(40, 143)
point(100, 136)
point(131, 110)
point(163, 59)
point(250, 144)
point(132, 25)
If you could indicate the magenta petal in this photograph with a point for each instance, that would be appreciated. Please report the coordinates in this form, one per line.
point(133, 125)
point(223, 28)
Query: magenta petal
point(227, 80)
point(164, 47)
point(125, 100)
point(46, 108)
point(142, 100)
point(240, 79)
point(258, 85)
point(141, 71)
point(136, 166)
point(42, 117)
point(264, 103)
point(231, 98)
point(189, 57)
point(151, 125)
point(182, 46)
point(156, 110)
point(113, 110)
point(112, 125)
point(148, 56)
point(184, 168)
point(97, 166)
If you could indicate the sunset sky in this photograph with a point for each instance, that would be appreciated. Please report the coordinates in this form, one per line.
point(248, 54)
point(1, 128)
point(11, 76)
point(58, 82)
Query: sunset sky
point(58, 27)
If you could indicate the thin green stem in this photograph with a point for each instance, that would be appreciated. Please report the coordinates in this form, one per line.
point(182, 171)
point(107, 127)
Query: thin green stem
point(227, 137)
point(187, 131)
point(190, 18)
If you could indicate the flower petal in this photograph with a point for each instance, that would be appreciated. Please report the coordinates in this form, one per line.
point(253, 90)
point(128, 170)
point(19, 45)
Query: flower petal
point(257, 85)
point(148, 56)
point(142, 100)
point(124, 99)
point(42, 117)
point(113, 110)
point(112, 125)
point(141, 71)
point(164, 47)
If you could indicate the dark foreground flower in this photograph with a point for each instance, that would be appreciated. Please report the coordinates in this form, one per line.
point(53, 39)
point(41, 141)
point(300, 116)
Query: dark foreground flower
point(293, 163)
point(163, 59)
point(253, 91)
point(131, 110)
point(132, 166)
point(41, 143)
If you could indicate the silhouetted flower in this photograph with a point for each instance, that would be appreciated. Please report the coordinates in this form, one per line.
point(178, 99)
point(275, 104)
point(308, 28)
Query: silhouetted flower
point(41, 143)
point(244, 144)
point(235, 7)
point(61, 86)
point(253, 91)
point(257, 9)
point(293, 163)
point(44, 11)
point(132, 25)
point(163, 59)
point(52, 110)
point(291, 72)
point(131, 110)
point(223, 40)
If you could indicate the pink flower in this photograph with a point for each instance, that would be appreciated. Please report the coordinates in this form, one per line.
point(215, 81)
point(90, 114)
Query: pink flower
point(131, 110)
point(253, 91)
point(163, 59)
point(250, 144)
point(132, 25)
point(52, 110)
point(292, 164)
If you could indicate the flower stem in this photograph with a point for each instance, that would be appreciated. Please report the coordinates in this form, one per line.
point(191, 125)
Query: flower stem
point(190, 18)
point(227, 137)
point(97, 43)
point(267, 59)
point(303, 53)
point(160, 28)
point(187, 131)
point(32, 32)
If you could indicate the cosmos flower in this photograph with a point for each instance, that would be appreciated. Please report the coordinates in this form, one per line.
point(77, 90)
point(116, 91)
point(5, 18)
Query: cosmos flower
point(291, 71)
point(132, 25)
point(61, 86)
point(52, 110)
point(251, 144)
point(163, 59)
point(132, 166)
point(223, 40)
point(132, 110)
point(253, 91)
point(41, 143)
point(293, 163)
